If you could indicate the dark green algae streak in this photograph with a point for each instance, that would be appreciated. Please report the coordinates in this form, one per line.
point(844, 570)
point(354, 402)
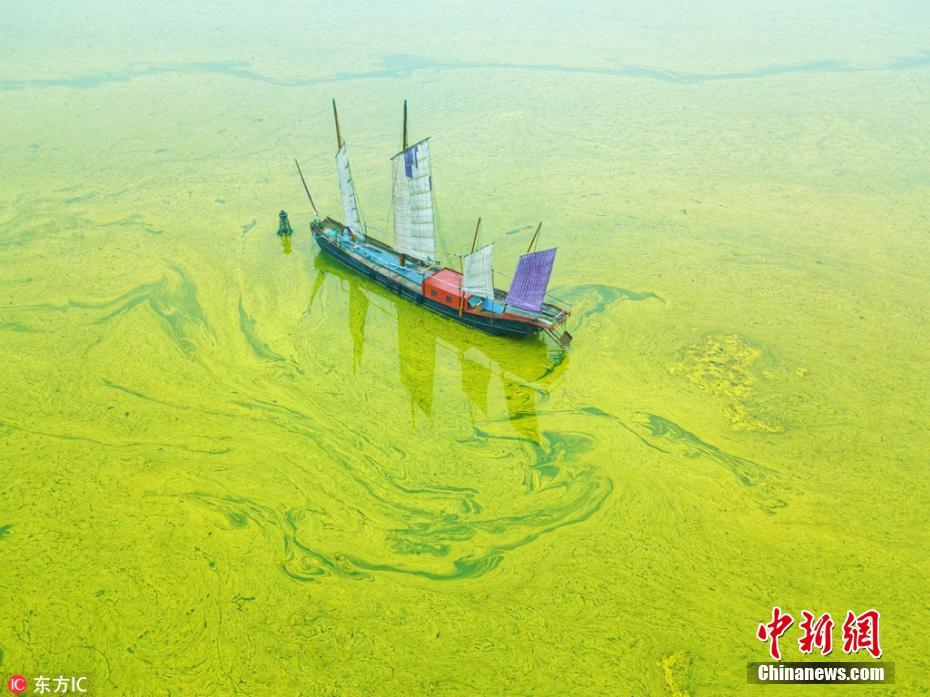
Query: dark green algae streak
point(459, 540)
point(439, 533)
point(536, 463)
point(402, 66)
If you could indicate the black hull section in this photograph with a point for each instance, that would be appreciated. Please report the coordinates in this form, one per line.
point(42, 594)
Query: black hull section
point(491, 325)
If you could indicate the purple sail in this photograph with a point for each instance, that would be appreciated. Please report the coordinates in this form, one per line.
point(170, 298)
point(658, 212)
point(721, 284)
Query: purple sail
point(531, 279)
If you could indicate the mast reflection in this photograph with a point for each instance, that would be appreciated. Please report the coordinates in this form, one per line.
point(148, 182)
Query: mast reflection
point(521, 368)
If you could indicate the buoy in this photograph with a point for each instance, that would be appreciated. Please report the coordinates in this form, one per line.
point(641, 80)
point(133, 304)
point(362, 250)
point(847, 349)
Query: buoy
point(284, 227)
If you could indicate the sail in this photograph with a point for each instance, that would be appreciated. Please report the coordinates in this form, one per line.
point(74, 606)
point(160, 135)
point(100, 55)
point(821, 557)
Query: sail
point(347, 189)
point(530, 280)
point(478, 274)
point(414, 228)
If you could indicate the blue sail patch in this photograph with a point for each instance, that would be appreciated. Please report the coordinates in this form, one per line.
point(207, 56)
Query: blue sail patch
point(410, 161)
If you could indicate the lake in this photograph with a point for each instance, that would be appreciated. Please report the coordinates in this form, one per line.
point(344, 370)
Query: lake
point(231, 466)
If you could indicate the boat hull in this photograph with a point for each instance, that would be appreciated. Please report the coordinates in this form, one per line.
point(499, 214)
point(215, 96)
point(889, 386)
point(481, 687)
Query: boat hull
point(498, 326)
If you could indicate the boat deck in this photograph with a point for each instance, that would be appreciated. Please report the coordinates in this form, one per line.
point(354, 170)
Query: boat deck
point(379, 253)
point(442, 285)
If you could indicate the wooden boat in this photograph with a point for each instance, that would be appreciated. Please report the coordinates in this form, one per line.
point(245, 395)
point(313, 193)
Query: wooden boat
point(410, 267)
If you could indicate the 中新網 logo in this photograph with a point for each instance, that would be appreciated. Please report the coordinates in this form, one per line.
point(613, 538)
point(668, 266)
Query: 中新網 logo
point(860, 632)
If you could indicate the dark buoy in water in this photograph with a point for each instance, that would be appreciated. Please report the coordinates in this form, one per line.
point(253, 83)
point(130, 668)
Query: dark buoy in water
point(284, 227)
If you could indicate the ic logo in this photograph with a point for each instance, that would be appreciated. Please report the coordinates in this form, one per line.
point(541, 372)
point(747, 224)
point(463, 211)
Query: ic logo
point(17, 684)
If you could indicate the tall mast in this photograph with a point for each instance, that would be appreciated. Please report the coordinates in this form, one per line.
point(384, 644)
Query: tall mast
point(404, 144)
point(338, 136)
point(412, 201)
point(402, 259)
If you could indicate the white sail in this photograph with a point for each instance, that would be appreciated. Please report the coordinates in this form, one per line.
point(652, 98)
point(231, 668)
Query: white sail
point(478, 274)
point(400, 206)
point(414, 227)
point(347, 189)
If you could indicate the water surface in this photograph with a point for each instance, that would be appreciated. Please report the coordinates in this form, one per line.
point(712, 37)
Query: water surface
point(232, 467)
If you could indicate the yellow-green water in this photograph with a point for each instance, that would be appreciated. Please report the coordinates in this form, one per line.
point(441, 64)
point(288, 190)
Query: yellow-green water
point(231, 467)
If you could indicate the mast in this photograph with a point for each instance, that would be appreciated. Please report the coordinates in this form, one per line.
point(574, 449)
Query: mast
point(412, 203)
point(533, 241)
point(402, 259)
point(353, 219)
point(474, 241)
point(404, 141)
point(477, 269)
point(336, 117)
point(304, 182)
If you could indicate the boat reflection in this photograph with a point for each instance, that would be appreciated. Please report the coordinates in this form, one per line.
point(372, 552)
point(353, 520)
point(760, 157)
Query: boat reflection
point(499, 377)
point(358, 313)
